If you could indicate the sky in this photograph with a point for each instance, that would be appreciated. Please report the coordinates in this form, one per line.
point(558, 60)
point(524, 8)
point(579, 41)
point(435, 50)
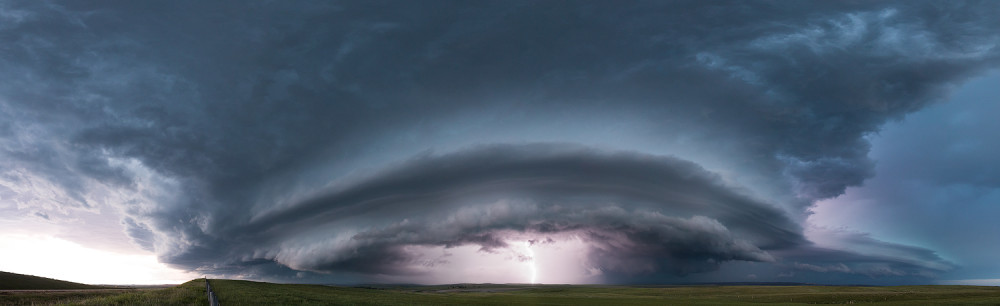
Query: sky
point(430, 142)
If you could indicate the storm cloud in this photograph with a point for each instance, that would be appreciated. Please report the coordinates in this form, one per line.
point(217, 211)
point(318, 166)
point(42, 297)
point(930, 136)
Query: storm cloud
point(331, 137)
point(642, 209)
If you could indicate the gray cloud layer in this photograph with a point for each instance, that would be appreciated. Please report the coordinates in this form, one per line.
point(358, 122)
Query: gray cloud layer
point(225, 120)
point(615, 201)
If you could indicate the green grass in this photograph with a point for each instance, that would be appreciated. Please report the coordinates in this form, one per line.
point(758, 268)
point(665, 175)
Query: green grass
point(14, 281)
point(44, 297)
point(234, 292)
point(189, 293)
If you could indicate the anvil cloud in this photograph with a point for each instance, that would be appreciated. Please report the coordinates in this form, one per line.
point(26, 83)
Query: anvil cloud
point(672, 141)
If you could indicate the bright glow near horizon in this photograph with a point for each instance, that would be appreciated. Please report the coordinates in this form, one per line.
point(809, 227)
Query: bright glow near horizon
point(971, 282)
point(531, 262)
point(562, 261)
point(51, 257)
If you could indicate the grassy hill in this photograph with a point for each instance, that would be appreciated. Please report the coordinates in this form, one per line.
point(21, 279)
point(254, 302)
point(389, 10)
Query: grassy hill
point(14, 281)
point(189, 293)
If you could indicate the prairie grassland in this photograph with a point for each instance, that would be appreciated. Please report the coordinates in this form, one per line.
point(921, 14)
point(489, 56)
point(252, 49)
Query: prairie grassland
point(234, 292)
point(189, 293)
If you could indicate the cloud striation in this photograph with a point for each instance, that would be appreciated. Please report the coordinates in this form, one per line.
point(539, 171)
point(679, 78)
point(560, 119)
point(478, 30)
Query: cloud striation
point(674, 138)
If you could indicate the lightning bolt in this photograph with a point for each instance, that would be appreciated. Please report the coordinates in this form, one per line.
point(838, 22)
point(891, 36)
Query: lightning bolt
point(531, 263)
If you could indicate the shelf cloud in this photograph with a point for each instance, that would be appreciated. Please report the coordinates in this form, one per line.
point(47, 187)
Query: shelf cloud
point(338, 141)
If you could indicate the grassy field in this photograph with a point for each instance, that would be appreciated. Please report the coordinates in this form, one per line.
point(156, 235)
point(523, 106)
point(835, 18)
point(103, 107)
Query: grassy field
point(189, 293)
point(234, 292)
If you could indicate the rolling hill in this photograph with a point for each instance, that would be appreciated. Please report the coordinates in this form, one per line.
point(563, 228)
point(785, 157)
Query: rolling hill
point(14, 281)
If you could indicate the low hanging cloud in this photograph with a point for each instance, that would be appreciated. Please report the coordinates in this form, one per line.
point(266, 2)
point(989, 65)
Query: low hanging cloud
point(619, 242)
point(286, 135)
point(639, 213)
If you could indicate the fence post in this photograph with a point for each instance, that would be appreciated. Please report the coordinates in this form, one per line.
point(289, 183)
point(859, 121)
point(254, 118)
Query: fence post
point(212, 299)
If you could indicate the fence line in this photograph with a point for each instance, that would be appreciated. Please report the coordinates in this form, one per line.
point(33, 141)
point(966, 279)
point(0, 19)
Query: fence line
point(212, 299)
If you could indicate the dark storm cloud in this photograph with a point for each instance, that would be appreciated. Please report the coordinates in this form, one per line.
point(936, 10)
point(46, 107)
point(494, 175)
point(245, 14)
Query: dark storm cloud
point(639, 214)
point(904, 261)
point(139, 233)
point(243, 109)
point(543, 170)
point(613, 201)
point(621, 242)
